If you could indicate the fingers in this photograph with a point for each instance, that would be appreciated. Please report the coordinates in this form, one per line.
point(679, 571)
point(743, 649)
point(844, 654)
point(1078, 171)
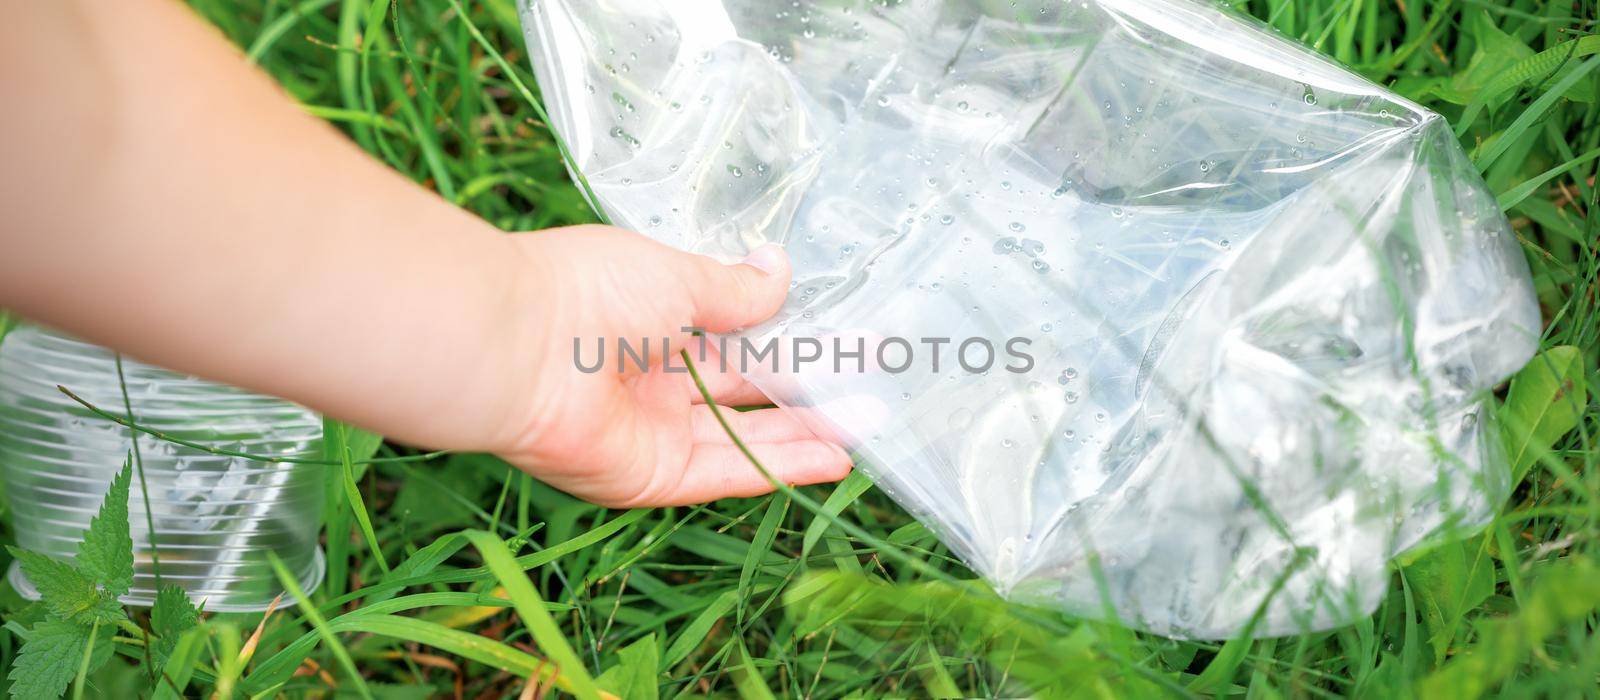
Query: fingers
point(722, 471)
point(728, 297)
point(678, 453)
point(766, 425)
point(717, 468)
point(724, 384)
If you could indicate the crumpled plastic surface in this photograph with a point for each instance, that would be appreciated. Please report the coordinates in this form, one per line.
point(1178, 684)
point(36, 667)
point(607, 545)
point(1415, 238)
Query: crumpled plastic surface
point(1266, 298)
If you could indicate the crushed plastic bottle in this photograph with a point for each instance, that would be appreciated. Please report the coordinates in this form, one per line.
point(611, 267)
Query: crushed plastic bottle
point(1265, 298)
point(216, 517)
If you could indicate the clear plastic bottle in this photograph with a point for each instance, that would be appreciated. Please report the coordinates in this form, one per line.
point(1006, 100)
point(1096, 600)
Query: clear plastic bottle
point(216, 517)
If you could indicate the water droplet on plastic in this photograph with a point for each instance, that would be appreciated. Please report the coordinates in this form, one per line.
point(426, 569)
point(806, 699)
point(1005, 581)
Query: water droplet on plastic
point(617, 132)
point(1016, 226)
point(735, 171)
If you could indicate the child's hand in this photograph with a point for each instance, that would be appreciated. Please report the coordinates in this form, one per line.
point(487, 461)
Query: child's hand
point(630, 438)
point(260, 248)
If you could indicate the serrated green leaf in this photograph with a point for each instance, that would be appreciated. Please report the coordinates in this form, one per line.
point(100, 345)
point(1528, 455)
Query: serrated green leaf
point(636, 673)
point(1450, 580)
point(106, 553)
point(65, 591)
point(51, 657)
point(171, 616)
point(18, 620)
point(1544, 403)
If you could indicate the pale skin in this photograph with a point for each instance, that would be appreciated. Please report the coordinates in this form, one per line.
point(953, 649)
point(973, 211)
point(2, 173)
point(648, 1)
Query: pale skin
point(162, 197)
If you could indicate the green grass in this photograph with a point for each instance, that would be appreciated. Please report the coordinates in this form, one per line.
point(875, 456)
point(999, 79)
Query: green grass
point(831, 591)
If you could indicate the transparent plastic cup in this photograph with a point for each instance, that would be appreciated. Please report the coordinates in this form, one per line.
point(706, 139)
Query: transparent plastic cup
point(216, 517)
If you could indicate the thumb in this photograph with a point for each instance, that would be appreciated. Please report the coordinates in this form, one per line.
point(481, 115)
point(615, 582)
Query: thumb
point(727, 297)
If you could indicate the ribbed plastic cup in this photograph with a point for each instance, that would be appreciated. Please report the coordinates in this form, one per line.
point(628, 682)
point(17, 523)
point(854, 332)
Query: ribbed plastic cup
point(216, 517)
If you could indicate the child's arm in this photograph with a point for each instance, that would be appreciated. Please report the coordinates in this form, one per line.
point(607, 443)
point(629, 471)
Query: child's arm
point(162, 197)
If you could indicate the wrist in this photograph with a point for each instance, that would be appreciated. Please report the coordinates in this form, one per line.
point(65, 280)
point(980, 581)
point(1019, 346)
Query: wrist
point(520, 344)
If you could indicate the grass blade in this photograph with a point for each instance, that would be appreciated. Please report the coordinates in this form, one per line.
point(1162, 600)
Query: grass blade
point(352, 494)
point(760, 546)
point(1531, 116)
point(530, 607)
point(320, 624)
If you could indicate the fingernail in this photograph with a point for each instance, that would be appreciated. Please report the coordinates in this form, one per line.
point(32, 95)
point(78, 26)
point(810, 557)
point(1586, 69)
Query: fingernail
point(768, 258)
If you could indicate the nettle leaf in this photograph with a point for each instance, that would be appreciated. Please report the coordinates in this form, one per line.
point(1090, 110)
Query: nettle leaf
point(171, 616)
point(1544, 403)
point(18, 620)
point(106, 553)
point(49, 659)
point(66, 592)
